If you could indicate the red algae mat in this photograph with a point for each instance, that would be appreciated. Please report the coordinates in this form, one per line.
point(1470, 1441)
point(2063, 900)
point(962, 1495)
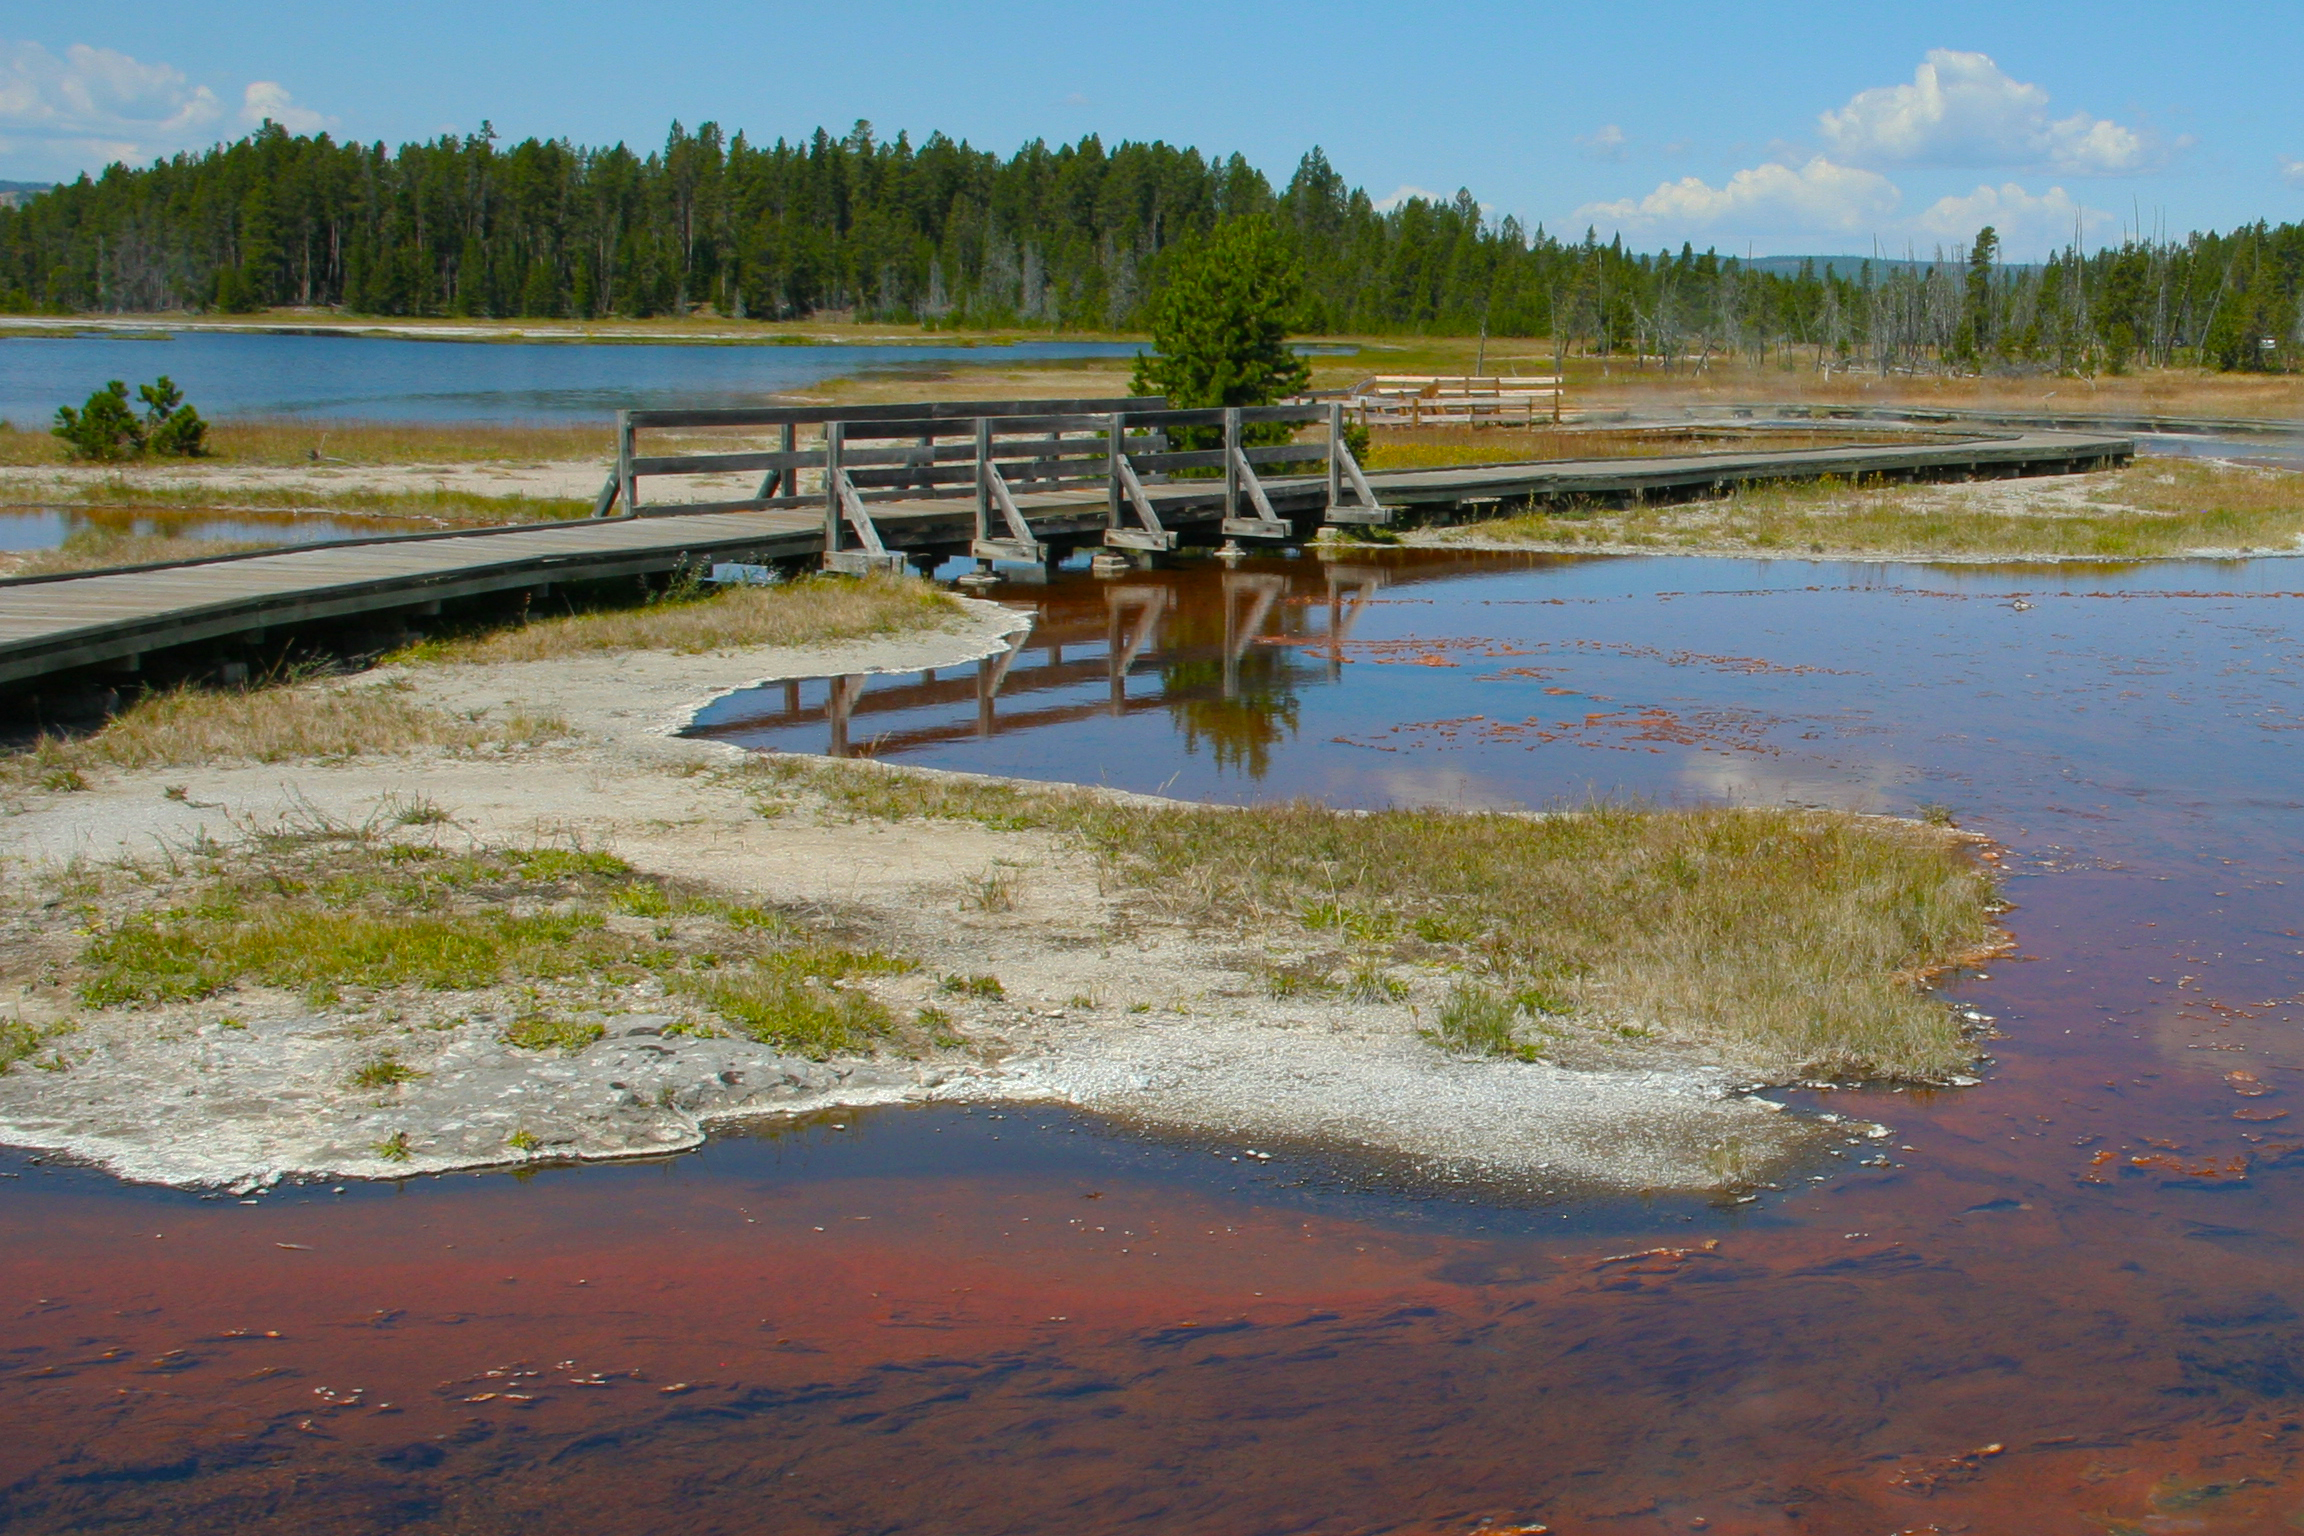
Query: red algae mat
point(2067, 1300)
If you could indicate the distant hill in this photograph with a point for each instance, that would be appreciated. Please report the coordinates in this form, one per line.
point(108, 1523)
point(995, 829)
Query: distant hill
point(15, 194)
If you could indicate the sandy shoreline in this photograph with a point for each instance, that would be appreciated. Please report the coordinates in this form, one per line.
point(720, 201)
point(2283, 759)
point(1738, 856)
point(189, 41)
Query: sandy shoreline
point(1103, 1009)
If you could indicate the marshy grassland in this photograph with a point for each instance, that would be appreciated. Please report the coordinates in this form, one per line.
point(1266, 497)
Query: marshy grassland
point(2155, 509)
point(1783, 942)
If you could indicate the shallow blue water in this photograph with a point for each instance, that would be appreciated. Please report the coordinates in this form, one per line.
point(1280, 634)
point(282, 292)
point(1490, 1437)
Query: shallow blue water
point(381, 379)
point(1417, 678)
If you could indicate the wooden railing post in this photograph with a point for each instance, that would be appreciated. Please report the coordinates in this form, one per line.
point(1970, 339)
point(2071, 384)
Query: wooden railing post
point(781, 482)
point(1231, 461)
point(1335, 446)
point(832, 510)
point(1115, 450)
point(983, 477)
point(624, 480)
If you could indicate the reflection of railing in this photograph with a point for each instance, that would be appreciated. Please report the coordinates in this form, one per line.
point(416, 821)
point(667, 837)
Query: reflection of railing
point(1135, 615)
point(1015, 459)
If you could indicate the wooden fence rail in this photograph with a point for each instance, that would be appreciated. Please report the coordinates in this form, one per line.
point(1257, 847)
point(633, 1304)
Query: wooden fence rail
point(1425, 399)
point(994, 452)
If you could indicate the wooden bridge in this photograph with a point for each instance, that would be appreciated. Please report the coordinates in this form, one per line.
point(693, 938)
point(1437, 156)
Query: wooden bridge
point(880, 486)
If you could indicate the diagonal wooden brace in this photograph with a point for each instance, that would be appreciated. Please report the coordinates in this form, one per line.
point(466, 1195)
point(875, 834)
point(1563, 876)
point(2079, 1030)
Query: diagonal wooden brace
point(1344, 474)
point(874, 555)
point(1266, 524)
point(1020, 545)
point(1152, 535)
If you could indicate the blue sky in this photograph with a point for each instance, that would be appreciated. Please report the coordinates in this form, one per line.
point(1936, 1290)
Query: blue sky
point(1789, 128)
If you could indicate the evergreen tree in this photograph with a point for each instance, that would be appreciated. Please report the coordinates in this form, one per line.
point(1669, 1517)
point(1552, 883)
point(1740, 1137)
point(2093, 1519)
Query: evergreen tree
point(103, 428)
point(1220, 318)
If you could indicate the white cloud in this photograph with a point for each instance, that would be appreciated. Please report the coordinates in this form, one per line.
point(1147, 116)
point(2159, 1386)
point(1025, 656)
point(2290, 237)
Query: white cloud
point(1404, 192)
point(2292, 170)
point(1607, 142)
point(2019, 217)
point(1963, 109)
point(270, 99)
point(88, 107)
point(95, 100)
point(1819, 197)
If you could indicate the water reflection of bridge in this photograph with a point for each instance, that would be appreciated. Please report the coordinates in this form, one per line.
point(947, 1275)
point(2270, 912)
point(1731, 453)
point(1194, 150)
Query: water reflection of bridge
point(1239, 630)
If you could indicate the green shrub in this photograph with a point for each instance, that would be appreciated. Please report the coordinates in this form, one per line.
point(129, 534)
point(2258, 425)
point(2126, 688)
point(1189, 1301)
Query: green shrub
point(103, 429)
point(106, 428)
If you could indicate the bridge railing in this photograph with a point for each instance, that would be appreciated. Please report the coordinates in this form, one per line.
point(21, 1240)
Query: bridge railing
point(1432, 400)
point(1013, 459)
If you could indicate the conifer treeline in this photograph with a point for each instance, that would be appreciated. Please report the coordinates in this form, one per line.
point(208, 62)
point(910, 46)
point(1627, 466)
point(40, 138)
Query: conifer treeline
point(1067, 237)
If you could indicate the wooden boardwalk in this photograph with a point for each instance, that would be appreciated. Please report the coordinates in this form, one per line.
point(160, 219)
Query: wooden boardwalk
point(109, 620)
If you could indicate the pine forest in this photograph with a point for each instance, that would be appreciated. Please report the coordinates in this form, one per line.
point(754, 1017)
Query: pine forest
point(1068, 238)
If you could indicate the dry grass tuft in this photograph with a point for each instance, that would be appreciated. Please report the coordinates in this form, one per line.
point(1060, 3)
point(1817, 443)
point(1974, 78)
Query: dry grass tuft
point(267, 725)
point(1780, 941)
point(2157, 509)
point(689, 620)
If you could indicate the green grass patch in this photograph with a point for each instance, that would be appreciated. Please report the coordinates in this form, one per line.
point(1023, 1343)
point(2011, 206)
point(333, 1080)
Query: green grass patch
point(1480, 1021)
point(776, 1007)
point(548, 1032)
point(175, 957)
point(384, 1072)
point(20, 1041)
point(331, 908)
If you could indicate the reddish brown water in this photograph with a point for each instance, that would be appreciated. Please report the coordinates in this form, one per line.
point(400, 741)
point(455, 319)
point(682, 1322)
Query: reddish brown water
point(2073, 1306)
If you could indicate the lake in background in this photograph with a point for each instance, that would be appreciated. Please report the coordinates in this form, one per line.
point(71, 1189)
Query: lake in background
point(380, 379)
